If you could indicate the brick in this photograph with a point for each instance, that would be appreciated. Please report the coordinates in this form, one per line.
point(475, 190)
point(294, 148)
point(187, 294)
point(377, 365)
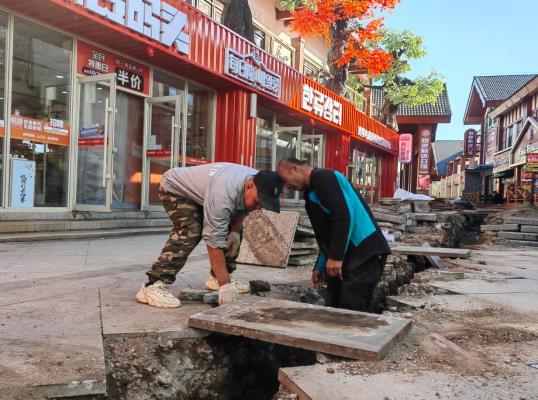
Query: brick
point(529, 229)
point(523, 243)
point(521, 221)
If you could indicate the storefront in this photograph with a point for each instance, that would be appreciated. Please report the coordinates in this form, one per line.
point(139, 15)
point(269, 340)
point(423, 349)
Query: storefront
point(99, 98)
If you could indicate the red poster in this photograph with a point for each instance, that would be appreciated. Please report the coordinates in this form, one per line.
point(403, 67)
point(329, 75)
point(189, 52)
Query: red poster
point(406, 148)
point(53, 131)
point(93, 60)
point(423, 182)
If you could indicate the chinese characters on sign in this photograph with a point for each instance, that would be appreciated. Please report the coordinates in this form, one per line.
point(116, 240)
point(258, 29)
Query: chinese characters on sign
point(374, 138)
point(491, 144)
point(154, 19)
point(249, 69)
point(53, 131)
point(22, 183)
point(424, 154)
point(94, 61)
point(470, 143)
point(406, 148)
point(321, 105)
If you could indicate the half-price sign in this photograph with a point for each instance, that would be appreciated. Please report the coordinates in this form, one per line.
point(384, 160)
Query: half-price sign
point(93, 60)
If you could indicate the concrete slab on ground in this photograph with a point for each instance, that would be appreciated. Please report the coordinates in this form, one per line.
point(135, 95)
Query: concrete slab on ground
point(449, 302)
point(122, 314)
point(59, 366)
point(500, 227)
point(343, 333)
point(481, 286)
point(521, 221)
point(316, 383)
point(431, 251)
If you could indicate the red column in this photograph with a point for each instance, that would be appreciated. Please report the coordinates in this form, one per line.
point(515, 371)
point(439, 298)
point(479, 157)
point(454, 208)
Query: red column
point(337, 152)
point(235, 131)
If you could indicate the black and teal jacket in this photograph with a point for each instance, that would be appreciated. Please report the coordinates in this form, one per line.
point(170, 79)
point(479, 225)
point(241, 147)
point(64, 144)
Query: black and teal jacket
point(344, 226)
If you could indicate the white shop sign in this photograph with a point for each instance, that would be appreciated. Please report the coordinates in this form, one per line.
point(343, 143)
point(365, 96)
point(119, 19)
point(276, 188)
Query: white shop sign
point(250, 69)
point(321, 105)
point(374, 138)
point(22, 183)
point(154, 19)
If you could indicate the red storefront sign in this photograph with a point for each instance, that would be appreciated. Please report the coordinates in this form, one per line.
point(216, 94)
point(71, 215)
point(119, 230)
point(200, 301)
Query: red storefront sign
point(405, 154)
point(53, 131)
point(424, 152)
point(470, 142)
point(93, 60)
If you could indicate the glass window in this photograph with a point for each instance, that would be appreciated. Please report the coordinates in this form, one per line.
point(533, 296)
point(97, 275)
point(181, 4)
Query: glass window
point(264, 139)
point(167, 85)
point(128, 141)
point(3, 31)
point(40, 116)
point(259, 38)
point(199, 125)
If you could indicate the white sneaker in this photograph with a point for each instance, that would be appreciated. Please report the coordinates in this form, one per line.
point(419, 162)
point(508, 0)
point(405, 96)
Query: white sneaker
point(212, 283)
point(157, 295)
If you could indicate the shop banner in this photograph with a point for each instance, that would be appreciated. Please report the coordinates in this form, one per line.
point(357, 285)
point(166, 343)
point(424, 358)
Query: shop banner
point(93, 60)
point(406, 148)
point(53, 131)
point(321, 105)
point(532, 163)
point(491, 144)
point(502, 161)
point(91, 136)
point(22, 183)
point(424, 154)
point(470, 143)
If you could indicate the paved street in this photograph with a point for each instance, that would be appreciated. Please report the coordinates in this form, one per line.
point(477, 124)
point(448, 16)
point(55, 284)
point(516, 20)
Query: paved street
point(59, 298)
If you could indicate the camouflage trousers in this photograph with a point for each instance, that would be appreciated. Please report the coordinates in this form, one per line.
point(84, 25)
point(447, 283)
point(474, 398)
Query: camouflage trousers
point(187, 217)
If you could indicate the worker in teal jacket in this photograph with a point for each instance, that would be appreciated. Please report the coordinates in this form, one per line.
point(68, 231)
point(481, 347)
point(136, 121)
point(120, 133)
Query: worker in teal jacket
point(353, 250)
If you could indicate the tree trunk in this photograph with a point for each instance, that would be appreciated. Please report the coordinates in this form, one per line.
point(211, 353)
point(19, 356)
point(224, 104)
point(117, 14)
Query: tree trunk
point(239, 18)
point(387, 114)
point(339, 36)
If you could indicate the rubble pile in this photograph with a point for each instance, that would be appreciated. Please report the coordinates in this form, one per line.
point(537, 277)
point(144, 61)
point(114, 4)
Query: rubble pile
point(304, 249)
point(397, 217)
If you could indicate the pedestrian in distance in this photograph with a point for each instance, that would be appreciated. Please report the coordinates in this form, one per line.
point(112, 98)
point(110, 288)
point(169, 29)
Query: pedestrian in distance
point(208, 201)
point(352, 248)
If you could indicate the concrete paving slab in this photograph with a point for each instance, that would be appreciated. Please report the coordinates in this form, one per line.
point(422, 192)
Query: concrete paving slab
point(328, 330)
point(519, 302)
point(315, 383)
point(431, 251)
point(123, 294)
point(138, 319)
point(481, 286)
point(442, 302)
point(53, 366)
point(267, 238)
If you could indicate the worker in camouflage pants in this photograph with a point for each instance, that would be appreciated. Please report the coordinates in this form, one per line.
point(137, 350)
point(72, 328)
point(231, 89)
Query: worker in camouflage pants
point(187, 217)
point(207, 202)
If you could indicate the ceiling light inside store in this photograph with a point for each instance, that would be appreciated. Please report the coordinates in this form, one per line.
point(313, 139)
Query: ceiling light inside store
point(60, 76)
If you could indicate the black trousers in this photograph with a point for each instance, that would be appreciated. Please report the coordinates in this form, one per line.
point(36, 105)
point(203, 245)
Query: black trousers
point(355, 290)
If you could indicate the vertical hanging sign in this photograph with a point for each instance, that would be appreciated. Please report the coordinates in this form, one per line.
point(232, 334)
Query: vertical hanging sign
point(470, 143)
point(405, 148)
point(424, 154)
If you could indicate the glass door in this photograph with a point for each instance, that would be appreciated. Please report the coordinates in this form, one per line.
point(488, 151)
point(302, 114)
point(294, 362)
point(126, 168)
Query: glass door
point(95, 141)
point(287, 141)
point(312, 150)
point(163, 145)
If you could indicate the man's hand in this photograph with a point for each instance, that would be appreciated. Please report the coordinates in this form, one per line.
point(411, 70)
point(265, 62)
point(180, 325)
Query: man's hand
point(228, 294)
point(233, 243)
point(318, 278)
point(334, 268)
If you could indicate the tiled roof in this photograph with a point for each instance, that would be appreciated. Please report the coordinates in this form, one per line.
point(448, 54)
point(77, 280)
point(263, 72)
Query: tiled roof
point(442, 106)
point(500, 87)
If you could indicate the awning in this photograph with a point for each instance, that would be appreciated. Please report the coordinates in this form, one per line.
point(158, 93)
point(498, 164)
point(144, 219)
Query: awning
point(509, 173)
point(481, 167)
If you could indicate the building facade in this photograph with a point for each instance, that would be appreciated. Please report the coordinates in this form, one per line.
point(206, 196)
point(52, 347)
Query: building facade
point(99, 98)
point(516, 136)
point(486, 94)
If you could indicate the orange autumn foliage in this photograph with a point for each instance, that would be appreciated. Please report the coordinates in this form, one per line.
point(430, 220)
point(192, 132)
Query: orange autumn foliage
point(318, 20)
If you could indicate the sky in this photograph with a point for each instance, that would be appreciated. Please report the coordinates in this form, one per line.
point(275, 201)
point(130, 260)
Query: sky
point(466, 38)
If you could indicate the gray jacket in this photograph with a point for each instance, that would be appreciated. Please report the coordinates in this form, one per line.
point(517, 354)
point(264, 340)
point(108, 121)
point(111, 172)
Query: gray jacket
point(219, 188)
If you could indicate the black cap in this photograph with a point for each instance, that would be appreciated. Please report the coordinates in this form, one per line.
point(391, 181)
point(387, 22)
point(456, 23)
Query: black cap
point(269, 185)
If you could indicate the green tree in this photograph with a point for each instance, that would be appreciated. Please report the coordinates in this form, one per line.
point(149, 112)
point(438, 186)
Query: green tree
point(404, 47)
